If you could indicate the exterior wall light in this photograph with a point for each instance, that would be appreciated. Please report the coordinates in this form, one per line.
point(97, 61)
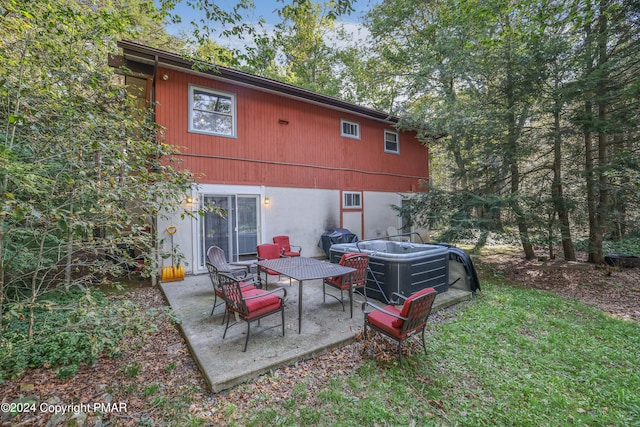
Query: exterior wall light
point(267, 201)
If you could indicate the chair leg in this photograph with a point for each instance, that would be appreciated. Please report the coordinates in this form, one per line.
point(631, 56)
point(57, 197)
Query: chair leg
point(226, 327)
point(246, 341)
point(351, 299)
point(224, 314)
point(215, 299)
point(325, 293)
point(282, 311)
point(424, 346)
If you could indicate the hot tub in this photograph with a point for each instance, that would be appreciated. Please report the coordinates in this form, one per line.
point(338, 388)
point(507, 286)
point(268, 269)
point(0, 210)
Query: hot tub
point(401, 267)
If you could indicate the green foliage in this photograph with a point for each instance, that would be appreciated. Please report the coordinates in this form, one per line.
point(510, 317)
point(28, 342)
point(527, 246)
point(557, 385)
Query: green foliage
point(508, 95)
point(457, 216)
point(151, 389)
point(81, 175)
point(132, 370)
point(629, 245)
point(71, 328)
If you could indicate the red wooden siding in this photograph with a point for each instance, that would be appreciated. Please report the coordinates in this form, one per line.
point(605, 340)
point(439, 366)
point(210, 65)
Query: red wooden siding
point(306, 152)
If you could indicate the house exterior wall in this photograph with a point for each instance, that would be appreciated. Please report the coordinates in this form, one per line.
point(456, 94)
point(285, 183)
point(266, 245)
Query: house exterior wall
point(382, 216)
point(306, 152)
point(290, 151)
point(303, 214)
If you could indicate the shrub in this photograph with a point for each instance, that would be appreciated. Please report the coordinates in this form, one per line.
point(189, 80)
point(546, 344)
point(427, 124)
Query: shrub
point(69, 329)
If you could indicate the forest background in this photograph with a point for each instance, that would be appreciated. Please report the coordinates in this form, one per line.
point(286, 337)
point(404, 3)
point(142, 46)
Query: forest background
point(530, 111)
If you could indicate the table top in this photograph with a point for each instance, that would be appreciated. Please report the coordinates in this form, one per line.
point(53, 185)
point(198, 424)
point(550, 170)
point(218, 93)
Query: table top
point(301, 268)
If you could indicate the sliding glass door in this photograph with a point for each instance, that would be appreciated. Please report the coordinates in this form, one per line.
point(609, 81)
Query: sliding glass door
point(232, 227)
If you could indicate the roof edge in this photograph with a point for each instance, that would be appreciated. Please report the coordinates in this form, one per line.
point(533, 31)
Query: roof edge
point(151, 55)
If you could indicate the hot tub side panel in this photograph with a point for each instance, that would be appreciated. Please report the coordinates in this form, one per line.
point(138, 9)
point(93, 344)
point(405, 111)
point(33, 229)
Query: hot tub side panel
point(403, 276)
point(377, 286)
point(432, 272)
point(379, 270)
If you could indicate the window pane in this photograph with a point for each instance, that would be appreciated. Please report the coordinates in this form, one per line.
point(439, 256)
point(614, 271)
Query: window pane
point(391, 142)
point(212, 112)
point(350, 129)
point(352, 200)
point(210, 122)
point(210, 102)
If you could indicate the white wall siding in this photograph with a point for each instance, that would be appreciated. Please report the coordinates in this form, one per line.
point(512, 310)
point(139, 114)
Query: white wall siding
point(302, 214)
point(378, 214)
point(183, 238)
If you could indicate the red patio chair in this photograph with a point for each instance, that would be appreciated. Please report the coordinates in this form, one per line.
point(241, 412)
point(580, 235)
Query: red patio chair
point(217, 289)
point(348, 282)
point(268, 251)
point(251, 305)
point(401, 323)
point(285, 246)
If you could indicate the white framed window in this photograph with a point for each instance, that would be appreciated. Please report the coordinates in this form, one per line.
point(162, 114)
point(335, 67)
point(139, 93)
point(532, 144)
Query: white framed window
point(391, 142)
point(212, 112)
point(349, 129)
point(352, 200)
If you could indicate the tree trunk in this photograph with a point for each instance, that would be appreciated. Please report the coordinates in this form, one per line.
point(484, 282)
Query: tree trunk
point(556, 187)
point(512, 157)
point(589, 173)
point(602, 211)
point(521, 219)
point(619, 198)
point(590, 183)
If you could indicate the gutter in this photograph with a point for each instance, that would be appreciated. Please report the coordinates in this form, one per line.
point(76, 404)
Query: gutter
point(135, 52)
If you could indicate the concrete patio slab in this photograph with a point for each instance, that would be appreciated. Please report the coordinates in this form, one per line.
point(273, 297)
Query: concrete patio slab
point(223, 363)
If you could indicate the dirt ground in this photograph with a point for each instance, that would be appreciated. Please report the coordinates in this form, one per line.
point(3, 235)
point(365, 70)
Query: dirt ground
point(156, 379)
point(615, 290)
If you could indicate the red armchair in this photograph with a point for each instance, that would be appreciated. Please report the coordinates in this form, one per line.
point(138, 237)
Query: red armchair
point(348, 282)
point(268, 251)
point(285, 246)
point(401, 323)
point(250, 305)
point(247, 284)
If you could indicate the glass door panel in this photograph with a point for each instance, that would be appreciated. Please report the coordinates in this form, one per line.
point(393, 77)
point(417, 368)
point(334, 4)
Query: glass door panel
point(217, 226)
point(233, 227)
point(247, 225)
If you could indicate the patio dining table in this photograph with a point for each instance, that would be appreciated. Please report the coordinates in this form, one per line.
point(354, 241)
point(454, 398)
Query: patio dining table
point(301, 269)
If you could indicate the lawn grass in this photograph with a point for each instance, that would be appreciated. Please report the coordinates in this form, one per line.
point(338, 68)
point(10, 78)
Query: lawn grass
point(512, 357)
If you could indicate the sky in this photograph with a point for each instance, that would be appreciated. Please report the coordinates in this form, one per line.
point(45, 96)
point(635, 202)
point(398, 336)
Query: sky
point(267, 10)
